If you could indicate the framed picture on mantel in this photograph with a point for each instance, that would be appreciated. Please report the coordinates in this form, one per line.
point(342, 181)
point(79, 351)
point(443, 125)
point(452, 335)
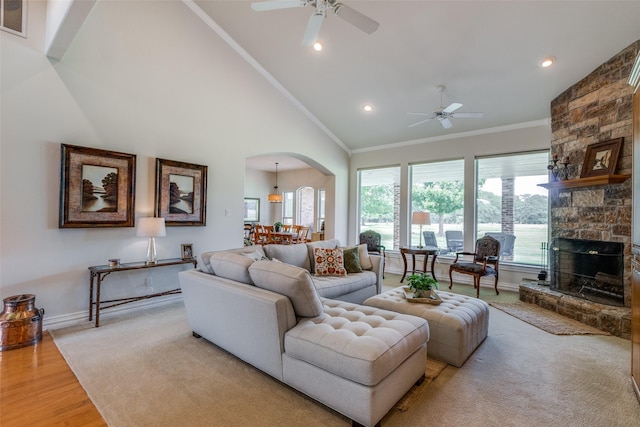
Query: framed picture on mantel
point(601, 158)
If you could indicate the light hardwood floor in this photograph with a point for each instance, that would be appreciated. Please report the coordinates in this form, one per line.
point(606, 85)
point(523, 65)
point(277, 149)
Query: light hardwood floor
point(37, 388)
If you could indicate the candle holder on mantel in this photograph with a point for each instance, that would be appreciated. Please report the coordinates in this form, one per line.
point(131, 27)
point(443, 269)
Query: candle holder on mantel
point(558, 173)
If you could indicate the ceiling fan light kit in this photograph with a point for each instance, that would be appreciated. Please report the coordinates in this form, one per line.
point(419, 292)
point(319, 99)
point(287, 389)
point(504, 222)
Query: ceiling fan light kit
point(352, 16)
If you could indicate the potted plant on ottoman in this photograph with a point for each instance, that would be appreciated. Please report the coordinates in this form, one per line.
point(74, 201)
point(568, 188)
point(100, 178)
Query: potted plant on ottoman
point(422, 284)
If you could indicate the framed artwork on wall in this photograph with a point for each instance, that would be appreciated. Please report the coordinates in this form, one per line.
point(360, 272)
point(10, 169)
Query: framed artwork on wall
point(601, 158)
point(97, 188)
point(181, 193)
point(251, 209)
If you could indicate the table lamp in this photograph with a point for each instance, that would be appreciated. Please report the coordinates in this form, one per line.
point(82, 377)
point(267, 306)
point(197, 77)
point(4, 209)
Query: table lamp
point(421, 218)
point(151, 228)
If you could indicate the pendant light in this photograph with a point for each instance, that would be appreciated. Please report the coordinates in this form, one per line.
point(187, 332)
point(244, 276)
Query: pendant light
point(275, 197)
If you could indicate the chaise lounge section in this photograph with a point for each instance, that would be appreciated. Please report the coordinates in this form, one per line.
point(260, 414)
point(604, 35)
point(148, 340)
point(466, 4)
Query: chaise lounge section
point(355, 359)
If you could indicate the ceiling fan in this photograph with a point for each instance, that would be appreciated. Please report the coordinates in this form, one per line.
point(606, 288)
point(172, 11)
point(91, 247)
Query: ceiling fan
point(350, 15)
point(444, 114)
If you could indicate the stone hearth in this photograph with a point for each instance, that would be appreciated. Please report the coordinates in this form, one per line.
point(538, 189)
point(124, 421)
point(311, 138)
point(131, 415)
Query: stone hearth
point(615, 320)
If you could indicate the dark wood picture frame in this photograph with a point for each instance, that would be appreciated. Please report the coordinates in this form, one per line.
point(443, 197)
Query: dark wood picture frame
point(601, 158)
point(89, 195)
point(251, 209)
point(181, 193)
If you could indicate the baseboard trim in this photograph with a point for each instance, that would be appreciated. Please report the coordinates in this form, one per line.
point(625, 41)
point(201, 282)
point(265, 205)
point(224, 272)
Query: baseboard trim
point(73, 319)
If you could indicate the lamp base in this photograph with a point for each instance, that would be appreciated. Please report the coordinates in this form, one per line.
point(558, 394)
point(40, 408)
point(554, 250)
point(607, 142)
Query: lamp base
point(152, 255)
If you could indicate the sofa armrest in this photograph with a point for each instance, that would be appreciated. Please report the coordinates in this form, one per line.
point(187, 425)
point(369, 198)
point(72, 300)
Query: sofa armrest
point(377, 262)
point(247, 321)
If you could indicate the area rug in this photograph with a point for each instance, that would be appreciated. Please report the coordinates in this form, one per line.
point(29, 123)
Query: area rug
point(546, 320)
point(434, 368)
point(146, 369)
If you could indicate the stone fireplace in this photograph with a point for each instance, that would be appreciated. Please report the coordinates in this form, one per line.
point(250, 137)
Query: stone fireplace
point(598, 108)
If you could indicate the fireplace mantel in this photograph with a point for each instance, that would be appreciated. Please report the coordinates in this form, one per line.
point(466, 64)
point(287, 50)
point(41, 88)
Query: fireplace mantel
point(586, 182)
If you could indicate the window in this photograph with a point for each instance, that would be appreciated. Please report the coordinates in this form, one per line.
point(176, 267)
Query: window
point(13, 16)
point(321, 209)
point(379, 204)
point(438, 188)
point(306, 206)
point(510, 205)
point(287, 207)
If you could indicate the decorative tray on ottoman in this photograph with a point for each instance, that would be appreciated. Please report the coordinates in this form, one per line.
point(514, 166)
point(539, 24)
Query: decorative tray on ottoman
point(434, 298)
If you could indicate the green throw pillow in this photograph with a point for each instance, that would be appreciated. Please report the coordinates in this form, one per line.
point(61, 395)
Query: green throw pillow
point(352, 260)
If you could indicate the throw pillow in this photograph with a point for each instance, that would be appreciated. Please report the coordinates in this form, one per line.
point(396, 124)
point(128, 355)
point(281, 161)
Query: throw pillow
point(352, 260)
point(329, 262)
point(365, 262)
point(256, 256)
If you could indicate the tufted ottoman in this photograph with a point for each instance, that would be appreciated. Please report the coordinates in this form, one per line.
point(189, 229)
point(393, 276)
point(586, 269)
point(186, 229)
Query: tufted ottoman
point(457, 326)
point(356, 359)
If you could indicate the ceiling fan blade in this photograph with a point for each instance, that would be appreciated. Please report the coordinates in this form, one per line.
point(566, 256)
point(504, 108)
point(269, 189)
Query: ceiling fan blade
point(420, 122)
point(355, 18)
point(446, 123)
point(467, 115)
point(451, 108)
point(313, 29)
point(421, 114)
point(277, 4)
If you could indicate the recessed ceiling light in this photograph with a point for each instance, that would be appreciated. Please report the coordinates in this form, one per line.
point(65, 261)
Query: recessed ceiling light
point(368, 108)
point(317, 46)
point(548, 62)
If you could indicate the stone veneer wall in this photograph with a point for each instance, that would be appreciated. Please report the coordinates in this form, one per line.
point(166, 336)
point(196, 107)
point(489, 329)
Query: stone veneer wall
point(597, 108)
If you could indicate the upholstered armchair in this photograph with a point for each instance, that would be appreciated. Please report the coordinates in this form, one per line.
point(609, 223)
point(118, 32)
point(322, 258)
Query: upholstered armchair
point(483, 263)
point(374, 245)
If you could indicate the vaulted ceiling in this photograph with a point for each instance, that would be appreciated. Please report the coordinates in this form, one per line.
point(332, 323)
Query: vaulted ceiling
point(486, 53)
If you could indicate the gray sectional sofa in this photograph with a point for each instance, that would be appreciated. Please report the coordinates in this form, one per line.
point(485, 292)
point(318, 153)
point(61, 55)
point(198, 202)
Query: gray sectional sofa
point(266, 307)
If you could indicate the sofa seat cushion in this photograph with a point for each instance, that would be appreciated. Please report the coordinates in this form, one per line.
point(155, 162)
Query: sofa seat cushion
point(336, 286)
point(362, 344)
point(291, 281)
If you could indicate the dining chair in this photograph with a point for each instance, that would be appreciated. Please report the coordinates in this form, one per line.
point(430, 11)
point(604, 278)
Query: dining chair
point(483, 263)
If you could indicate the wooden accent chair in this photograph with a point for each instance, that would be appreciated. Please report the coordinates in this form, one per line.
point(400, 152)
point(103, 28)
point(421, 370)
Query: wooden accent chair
point(303, 234)
point(374, 245)
point(484, 263)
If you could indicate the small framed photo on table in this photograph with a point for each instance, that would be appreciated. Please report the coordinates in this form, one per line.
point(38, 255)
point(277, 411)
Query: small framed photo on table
point(186, 250)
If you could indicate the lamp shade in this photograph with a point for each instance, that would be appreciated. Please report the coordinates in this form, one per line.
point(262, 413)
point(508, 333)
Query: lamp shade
point(151, 227)
point(421, 218)
point(275, 198)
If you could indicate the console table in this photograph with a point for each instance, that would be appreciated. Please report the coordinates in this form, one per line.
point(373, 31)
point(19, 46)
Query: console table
point(413, 251)
point(99, 272)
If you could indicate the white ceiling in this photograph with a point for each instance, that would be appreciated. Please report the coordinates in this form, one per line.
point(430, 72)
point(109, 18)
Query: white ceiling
point(486, 53)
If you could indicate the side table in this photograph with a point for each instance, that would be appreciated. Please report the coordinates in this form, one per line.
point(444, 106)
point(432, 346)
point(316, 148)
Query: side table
point(413, 251)
point(99, 272)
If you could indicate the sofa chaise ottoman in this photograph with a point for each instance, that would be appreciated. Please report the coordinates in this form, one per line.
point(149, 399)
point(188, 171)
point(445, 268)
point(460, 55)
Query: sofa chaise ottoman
point(457, 326)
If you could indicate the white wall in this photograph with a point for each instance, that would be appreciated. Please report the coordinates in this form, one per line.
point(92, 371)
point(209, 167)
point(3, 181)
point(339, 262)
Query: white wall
point(537, 136)
point(147, 78)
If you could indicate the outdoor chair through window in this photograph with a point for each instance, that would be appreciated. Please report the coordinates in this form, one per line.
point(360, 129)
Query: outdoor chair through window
point(455, 240)
point(374, 245)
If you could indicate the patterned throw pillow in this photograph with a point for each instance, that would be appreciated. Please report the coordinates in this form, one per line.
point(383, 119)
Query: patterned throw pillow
point(352, 260)
point(329, 262)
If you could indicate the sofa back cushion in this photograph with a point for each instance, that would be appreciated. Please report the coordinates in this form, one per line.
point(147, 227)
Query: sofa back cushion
point(231, 265)
point(205, 258)
point(291, 254)
point(291, 281)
